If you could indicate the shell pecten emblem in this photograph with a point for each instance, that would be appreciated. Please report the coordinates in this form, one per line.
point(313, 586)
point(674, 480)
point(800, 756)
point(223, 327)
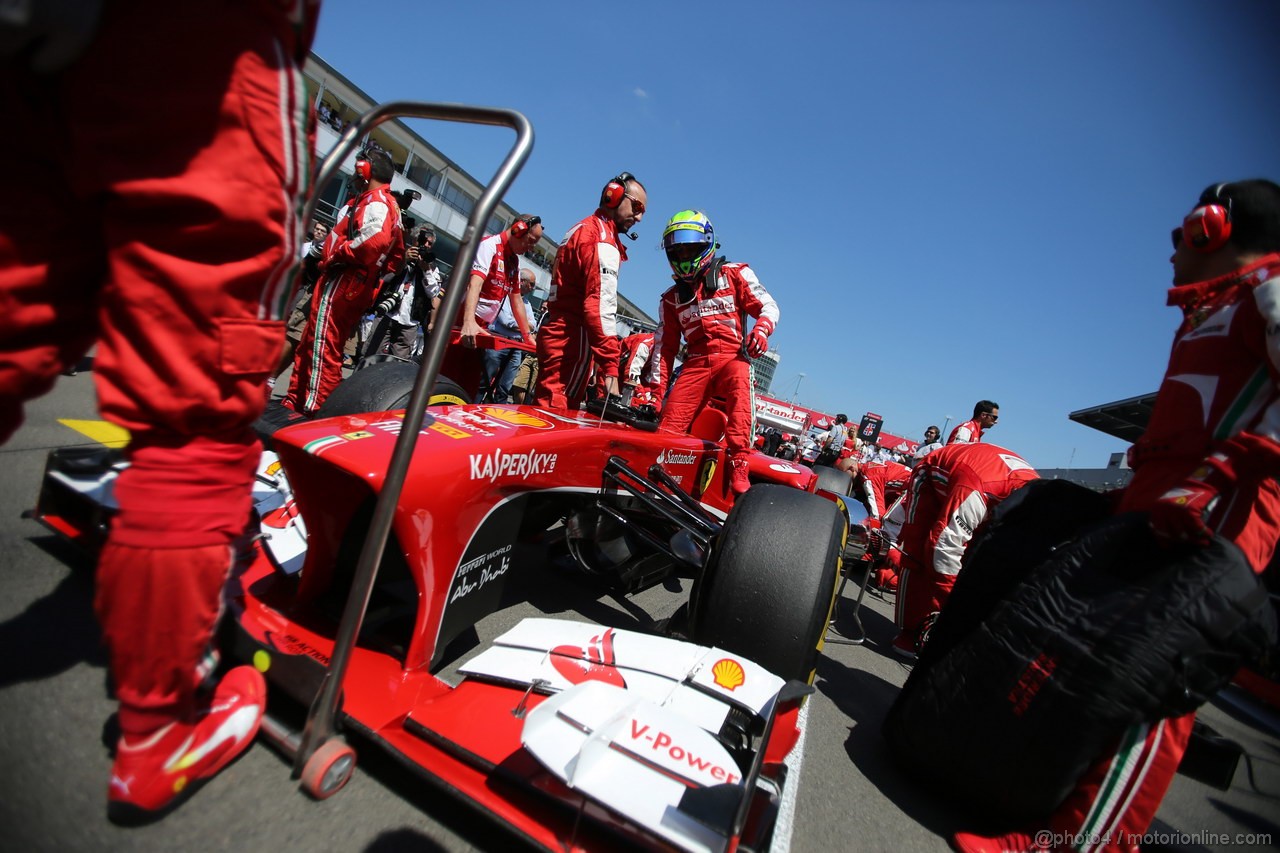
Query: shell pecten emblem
point(728, 673)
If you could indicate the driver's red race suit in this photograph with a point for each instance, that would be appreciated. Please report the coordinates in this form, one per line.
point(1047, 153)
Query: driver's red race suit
point(130, 235)
point(881, 483)
point(968, 432)
point(711, 321)
point(366, 243)
point(949, 494)
point(579, 328)
point(1220, 392)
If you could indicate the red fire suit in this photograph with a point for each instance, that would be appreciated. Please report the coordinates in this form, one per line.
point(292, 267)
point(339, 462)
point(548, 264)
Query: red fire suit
point(498, 263)
point(1223, 382)
point(711, 319)
point(366, 243)
point(638, 355)
point(949, 494)
point(580, 326)
point(968, 432)
point(157, 219)
point(881, 483)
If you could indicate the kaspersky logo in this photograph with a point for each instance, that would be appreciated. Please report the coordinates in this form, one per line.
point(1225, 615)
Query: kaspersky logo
point(675, 457)
point(517, 466)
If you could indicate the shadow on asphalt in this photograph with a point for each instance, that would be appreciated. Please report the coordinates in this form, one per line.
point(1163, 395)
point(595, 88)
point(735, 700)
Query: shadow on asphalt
point(866, 699)
point(55, 632)
point(408, 840)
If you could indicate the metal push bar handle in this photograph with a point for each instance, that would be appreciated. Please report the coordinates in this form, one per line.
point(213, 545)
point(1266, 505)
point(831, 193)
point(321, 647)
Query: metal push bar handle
point(320, 721)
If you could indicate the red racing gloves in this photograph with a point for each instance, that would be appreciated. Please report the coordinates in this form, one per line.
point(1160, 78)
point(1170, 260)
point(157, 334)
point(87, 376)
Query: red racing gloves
point(758, 340)
point(1182, 514)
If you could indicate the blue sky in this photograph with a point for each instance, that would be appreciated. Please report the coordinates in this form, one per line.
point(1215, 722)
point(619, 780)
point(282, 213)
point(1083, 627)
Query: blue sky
point(950, 199)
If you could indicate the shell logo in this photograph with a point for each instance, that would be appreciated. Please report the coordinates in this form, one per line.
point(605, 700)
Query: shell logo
point(273, 468)
point(515, 418)
point(727, 673)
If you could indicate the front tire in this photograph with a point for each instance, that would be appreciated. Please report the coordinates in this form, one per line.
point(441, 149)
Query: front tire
point(833, 480)
point(769, 587)
point(383, 387)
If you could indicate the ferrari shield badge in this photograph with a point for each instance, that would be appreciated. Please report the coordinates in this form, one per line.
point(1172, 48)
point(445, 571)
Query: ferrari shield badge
point(705, 474)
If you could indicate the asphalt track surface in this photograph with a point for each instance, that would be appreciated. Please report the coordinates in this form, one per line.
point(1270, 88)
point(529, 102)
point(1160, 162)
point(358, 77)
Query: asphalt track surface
point(56, 730)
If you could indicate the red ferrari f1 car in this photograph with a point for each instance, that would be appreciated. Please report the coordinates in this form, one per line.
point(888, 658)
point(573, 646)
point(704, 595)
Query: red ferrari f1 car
point(387, 536)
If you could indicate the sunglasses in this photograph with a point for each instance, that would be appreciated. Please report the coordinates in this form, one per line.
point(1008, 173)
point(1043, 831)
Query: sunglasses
point(636, 204)
point(1177, 236)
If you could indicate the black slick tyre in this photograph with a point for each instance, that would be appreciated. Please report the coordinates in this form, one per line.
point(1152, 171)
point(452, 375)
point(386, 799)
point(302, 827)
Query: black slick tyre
point(770, 583)
point(833, 480)
point(383, 387)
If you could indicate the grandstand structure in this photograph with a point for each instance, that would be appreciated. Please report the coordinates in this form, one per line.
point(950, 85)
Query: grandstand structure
point(448, 193)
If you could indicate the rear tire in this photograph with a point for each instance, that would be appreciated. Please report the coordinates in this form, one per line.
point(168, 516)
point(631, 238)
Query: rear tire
point(769, 587)
point(383, 387)
point(833, 480)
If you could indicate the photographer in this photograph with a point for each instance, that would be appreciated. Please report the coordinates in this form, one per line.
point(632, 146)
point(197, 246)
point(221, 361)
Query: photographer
point(408, 298)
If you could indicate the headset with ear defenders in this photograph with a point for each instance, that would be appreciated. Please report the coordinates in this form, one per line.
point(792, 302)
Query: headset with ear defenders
point(614, 191)
point(1208, 227)
point(522, 224)
point(364, 169)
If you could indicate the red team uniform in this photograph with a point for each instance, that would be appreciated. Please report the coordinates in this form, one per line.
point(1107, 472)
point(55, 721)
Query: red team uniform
point(181, 190)
point(580, 326)
point(969, 432)
point(711, 322)
point(365, 244)
point(881, 483)
point(949, 494)
point(1220, 395)
point(499, 264)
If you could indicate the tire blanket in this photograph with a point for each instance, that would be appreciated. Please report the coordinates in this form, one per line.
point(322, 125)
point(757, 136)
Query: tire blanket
point(1065, 627)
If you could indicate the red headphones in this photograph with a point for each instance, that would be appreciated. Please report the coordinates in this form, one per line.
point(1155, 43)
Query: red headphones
point(1208, 227)
point(364, 170)
point(616, 190)
point(522, 224)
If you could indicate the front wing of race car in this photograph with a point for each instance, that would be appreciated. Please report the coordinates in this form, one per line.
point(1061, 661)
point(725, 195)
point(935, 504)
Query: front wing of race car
point(572, 734)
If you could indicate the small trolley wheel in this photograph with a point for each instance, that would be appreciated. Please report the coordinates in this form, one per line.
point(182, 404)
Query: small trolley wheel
point(328, 769)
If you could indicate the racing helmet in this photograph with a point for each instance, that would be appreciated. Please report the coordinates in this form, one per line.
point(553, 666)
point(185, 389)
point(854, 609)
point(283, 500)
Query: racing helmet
point(690, 243)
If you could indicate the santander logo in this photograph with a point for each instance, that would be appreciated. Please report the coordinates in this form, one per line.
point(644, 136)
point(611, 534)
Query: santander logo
point(675, 457)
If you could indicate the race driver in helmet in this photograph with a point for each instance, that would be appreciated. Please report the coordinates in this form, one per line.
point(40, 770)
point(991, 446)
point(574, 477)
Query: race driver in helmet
point(708, 306)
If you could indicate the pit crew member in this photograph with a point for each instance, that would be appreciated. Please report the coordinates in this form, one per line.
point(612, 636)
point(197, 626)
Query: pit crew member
point(580, 325)
point(638, 355)
point(365, 244)
point(708, 306)
point(985, 415)
point(1207, 463)
point(175, 142)
point(495, 277)
point(949, 494)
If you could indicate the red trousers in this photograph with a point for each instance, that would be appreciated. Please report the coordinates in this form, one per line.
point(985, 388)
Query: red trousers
point(564, 363)
point(724, 375)
point(336, 307)
point(153, 189)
